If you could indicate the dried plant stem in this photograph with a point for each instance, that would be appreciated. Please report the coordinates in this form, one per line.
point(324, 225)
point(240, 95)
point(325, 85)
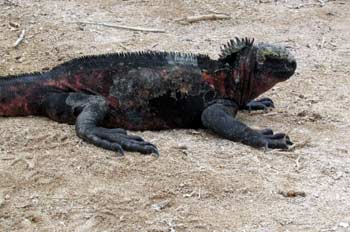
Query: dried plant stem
point(124, 27)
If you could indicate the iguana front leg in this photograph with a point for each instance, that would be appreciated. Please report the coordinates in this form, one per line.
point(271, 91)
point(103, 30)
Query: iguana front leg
point(90, 112)
point(259, 104)
point(219, 117)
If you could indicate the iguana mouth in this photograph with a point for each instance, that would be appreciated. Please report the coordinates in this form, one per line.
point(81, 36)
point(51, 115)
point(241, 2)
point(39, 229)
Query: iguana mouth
point(286, 71)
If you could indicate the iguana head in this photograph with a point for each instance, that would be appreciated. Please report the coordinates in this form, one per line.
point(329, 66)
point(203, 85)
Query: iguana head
point(256, 67)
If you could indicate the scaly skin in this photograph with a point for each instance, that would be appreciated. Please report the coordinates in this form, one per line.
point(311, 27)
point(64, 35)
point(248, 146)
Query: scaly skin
point(153, 91)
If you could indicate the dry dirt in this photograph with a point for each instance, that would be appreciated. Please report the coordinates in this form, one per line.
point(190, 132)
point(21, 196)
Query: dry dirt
point(52, 181)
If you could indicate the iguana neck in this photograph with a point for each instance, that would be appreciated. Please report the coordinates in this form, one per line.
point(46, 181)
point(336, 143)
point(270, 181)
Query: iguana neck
point(231, 83)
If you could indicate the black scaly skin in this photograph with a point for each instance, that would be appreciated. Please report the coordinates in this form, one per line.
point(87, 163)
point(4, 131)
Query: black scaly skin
point(106, 94)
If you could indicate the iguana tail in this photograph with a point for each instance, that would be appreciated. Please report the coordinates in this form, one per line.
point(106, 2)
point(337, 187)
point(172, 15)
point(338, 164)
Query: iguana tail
point(21, 95)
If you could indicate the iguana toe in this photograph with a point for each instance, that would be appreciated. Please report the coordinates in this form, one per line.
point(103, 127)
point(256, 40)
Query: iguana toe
point(276, 141)
point(119, 140)
point(276, 136)
point(260, 104)
point(266, 131)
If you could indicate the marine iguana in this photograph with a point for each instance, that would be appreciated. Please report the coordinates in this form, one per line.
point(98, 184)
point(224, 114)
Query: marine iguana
point(105, 95)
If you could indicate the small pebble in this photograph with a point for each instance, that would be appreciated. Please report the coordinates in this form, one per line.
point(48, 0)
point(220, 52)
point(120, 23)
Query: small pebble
point(292, 193)
point(344, 224)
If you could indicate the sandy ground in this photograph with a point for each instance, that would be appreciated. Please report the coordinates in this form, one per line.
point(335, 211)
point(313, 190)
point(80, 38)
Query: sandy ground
point(52, 181)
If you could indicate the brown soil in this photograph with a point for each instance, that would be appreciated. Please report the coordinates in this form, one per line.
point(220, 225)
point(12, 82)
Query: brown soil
point(52, 181)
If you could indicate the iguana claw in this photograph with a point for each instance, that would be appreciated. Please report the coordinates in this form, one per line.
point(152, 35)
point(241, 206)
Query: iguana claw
point(260, 104)
point(118, 140)
point(275, 141)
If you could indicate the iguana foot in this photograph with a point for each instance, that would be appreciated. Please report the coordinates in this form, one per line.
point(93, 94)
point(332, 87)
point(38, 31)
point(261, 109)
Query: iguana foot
point(119, 140)
point(260, 104)
point(91, 112)
point(275, 141)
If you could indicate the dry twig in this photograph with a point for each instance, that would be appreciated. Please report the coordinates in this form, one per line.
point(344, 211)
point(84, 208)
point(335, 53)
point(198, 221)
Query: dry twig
point(123, 46)
point(297, 164)
point(124, 27)
point(218, 13)
point(20, 39)
point(197, 18)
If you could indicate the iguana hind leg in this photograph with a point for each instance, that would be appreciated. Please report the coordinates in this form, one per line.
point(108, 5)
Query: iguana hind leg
point(89, 111)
